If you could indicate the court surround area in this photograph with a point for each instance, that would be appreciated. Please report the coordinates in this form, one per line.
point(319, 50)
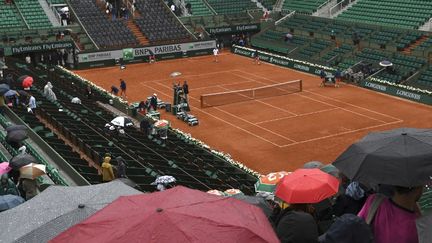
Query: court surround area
point(272, 133)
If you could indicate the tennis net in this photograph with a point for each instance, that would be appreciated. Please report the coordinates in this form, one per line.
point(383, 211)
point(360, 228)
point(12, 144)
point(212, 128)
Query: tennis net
point(230, 97)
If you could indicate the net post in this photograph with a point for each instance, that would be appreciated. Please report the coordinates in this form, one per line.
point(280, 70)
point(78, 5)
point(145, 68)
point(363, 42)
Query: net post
point(201, 101)
point(301, 85)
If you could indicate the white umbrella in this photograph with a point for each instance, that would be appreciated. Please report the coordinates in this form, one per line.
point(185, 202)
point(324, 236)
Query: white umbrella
point(122, 121)
point(32, 171)
point(65, 9)
point(175, 74)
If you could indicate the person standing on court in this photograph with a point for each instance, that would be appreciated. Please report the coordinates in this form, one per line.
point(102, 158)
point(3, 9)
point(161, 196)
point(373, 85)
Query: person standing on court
point(123, 88)
point(185, 90)
point(215, 54)
point(153, 102)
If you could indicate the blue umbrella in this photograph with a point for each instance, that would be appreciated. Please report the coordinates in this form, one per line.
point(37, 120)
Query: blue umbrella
point(10, 201)
point(10, 93)
point(4, 88)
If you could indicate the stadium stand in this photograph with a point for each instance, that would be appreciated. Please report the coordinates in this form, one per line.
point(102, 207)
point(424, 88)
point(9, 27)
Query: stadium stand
point(268, 4)
point(10, 19)
point(425, 79)
point(214, 21)
point(391, 13)
point(302, 6)
point(231, 6)
point(192, 166)
point(158, 24)
point(33, 14)
point(107, 33)
point(199, 8)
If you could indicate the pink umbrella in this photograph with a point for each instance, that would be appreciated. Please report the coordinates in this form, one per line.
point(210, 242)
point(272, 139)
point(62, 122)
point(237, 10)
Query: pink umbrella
point(4, 168)
point(27, 82)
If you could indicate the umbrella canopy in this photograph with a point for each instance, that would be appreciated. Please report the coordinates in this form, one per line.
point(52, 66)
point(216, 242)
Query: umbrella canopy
point(10, 93)
point(161, 124)
point(257, 201)
point(386, 63)
point(122, 121)
point(216, 192)
point(21, 78)
point(16, 136)
point(267, 183)
point(4, 168)
point(10, 201)
point(15, 127)
point(232, 192)
point(179, 213)
point(23, 93)
point(399, 157)
point(306, 186)
point(166, 179)
point(313, 164)
point(4, 88)
point(175, 74)
point(21, 160)
point(32, 171)
point(27, 82)
point(56, 209)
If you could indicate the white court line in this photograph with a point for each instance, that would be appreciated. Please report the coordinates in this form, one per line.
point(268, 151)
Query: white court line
point(329, 104)
point(184, 76)
point(265, 129)
point(343, 102)
point(340, 133)
point(304, 114)
point(216, 117)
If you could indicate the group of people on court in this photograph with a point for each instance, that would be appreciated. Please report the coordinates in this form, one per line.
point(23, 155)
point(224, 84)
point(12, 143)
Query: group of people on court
point(115, 90)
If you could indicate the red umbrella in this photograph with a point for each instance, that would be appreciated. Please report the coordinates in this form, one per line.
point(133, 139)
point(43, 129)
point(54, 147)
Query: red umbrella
point(306, 186)
point(176, 215)
point(27, 82)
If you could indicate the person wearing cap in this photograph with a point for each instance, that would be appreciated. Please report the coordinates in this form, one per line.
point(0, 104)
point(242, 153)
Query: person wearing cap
point(153, 102)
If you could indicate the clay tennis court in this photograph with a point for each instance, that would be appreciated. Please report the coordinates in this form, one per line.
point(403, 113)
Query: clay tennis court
point(274, 133)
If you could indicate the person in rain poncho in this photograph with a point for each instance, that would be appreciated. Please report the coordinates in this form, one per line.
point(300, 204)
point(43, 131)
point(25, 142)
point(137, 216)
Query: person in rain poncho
point(107, 170)
point(7, 186)
point(121, 167)
point(49, 93)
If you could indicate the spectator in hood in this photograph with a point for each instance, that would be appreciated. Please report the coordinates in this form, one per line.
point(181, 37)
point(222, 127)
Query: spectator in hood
point(121, 167)
point(49, 93)
point(107, 170)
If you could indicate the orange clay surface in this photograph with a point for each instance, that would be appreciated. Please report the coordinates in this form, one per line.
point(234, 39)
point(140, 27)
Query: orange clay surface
point(270, 134)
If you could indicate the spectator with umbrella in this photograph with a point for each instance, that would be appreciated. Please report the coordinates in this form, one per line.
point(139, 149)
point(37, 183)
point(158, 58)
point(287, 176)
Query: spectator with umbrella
point(164, 182)
point(26, 81)
point(28, 187)
point(301, 189)
point(15, 135)
point(401, 158)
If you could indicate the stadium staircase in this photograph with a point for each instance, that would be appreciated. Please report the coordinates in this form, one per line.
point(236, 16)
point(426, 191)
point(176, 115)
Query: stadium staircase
point(415, 44)
point(138, 34)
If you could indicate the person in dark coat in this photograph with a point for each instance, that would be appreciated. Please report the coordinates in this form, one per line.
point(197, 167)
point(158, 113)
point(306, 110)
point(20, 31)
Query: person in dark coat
point(7, 186)
point(121, 167)
point(89, 92)
point(295, 224)
point(145, 126)
point(153, 102)
point(114, 90)
point(185, 90)
point(123, 88)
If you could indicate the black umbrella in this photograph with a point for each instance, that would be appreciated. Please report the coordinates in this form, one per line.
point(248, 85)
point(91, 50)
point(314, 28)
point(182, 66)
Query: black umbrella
point(21, 160)
point(4, 88)
point(15, 128)
point(23, 93)
point(400, 157)
point(21, 78)
point(16, 136)
point(257, 201)
point(56, 209)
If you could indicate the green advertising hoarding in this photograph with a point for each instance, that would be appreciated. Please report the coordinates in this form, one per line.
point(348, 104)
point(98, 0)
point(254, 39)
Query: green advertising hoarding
point(315, 69)
point(18, 49)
